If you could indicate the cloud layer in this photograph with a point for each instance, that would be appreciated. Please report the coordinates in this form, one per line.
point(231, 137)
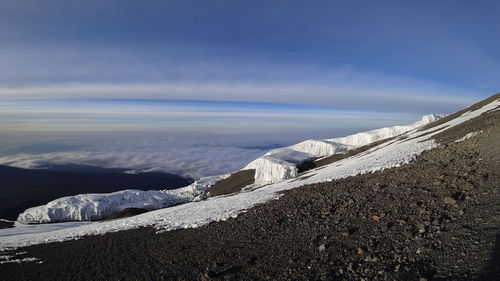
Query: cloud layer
point(189, 156)
point(368, 93)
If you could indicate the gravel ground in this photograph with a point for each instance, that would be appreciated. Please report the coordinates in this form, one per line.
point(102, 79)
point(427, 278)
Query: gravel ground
point(436, 218)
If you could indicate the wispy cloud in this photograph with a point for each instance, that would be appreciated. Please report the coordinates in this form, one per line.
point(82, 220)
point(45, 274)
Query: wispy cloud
point(374, 94)
point(200, 117)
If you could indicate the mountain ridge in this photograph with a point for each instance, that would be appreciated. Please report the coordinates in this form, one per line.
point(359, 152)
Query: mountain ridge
point(434, 218)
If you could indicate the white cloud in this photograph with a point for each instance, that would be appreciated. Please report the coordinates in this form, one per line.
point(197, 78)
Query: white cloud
point(74, 72)
point(188, 155)
point(368, 93)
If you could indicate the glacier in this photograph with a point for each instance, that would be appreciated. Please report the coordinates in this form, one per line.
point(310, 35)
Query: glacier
point(282, 163)
point(85, 207)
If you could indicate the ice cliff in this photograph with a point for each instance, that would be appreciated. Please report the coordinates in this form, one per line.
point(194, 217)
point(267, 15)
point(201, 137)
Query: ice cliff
point(101, 205)
point(281, 164)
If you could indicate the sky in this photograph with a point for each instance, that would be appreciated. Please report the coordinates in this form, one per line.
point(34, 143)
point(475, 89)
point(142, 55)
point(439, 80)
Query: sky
point(244, 73)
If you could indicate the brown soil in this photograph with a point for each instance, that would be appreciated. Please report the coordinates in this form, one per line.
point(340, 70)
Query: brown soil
point(233, 183)
point(129, 212)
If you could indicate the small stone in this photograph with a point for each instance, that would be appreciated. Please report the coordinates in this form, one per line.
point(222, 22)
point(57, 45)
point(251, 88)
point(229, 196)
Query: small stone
point(396, 268)
point(376, 218)
point(421, 228)
point(360, 251)
point(207, 275)
point(450, 201)
point(321, 247)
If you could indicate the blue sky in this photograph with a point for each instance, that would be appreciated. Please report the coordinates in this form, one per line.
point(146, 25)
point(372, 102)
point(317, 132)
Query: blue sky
point(295, 69)
point(448, 48)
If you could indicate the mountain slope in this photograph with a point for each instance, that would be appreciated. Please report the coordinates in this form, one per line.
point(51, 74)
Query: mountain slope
point(435, 218)
point(277, 165)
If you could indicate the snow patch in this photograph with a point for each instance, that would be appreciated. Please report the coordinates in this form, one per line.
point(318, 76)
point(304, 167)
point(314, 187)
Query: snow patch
point(468, 136)
point(12, 258)
point(365, 138)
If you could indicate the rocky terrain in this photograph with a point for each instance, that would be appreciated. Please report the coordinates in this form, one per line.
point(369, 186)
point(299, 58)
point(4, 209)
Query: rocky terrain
point(436, 218)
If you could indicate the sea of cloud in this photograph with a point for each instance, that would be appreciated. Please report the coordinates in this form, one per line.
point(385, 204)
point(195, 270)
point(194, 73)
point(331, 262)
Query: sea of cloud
point(191, 156)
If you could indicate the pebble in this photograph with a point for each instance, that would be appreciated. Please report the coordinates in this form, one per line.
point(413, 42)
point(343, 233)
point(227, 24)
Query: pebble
point(321, 247)
point(450, 201)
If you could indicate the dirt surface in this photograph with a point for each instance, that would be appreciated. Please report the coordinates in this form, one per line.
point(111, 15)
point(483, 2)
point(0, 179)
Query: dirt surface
point(436, 218)
point(126, 213)
point(234, 183)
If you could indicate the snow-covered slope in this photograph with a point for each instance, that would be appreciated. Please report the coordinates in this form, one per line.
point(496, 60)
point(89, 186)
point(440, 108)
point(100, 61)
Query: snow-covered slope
point(365, 138)
point(277, 165)
point(281, 164)
point(320, 148)
point(386, 155)
point(99, 206)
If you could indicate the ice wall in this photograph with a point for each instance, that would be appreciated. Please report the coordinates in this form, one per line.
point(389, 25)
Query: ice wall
point(281, 164)
point(98, 206)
